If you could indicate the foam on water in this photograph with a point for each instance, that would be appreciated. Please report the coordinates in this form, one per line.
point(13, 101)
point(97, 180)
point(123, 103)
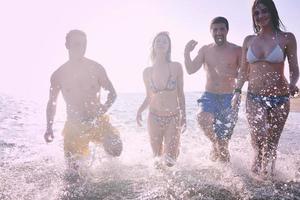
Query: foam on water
point(31, 169)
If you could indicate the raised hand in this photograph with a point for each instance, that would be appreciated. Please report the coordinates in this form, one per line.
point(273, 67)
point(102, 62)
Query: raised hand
point(190, 46)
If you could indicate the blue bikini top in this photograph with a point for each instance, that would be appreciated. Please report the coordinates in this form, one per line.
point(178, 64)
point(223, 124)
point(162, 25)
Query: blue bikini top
point(275, 56)
point(170, 85)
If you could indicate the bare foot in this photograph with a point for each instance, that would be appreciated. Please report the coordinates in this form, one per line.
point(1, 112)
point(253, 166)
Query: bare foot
point(224, 152)
point(224, 156)
point(159, 164)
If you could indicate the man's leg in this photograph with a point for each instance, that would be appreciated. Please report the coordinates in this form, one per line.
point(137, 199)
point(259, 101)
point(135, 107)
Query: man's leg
point(105, 133)
point(112, 144)
point(226, 120)
point(223, 149)
point(76, 143)
point(206, 123)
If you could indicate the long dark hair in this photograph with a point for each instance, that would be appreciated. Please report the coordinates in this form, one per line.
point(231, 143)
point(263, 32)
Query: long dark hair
point(168, 55)
point(277, 23)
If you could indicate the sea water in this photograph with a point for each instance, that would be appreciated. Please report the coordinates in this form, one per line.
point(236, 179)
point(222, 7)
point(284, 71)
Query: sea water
point(32, 169)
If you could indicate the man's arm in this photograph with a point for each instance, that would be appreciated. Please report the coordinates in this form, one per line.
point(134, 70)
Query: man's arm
point(181, 98)
point(107, 85)
point(242, 75)
point(51, 108)
point(239, 60)
point(193, 66)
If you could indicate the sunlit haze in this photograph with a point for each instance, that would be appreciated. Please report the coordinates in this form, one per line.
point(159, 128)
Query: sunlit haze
point(119, 36)
point(125, 146)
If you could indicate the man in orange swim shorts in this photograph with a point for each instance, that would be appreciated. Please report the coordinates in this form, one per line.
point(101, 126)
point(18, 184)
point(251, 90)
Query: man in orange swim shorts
point(80, 81)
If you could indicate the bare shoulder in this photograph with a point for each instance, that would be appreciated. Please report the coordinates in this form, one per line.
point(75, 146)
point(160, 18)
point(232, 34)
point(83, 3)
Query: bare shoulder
point(176, 67)
point(95, 67)
point(234, 46)
point(248, 39)
point(147, 71)
point(55, 77)
point(204, 48)
point(288, 36)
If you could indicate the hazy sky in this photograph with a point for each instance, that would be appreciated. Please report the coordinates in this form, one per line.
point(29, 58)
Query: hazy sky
point(119, 36)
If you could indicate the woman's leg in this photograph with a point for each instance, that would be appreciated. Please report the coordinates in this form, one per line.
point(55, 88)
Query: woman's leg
point(257, 119)
point(277, 119)
point(172, 142)
point(156, 135)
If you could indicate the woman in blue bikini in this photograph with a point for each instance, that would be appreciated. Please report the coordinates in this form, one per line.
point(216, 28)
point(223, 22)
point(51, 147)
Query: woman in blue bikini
point(267, 103)
point(165, 98)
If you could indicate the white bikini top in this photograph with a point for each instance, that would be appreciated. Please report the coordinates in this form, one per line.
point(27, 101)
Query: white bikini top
point(275, 56)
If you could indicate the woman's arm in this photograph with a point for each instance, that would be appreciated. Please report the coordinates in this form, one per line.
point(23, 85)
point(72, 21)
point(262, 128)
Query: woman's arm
point(291, 51)
point(146, 101)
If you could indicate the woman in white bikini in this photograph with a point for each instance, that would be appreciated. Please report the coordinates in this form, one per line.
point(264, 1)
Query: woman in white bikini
point(165, 98)
point(267, 103)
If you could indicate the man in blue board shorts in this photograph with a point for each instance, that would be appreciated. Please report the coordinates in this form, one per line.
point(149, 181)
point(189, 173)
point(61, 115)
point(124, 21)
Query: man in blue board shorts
point(220, 60)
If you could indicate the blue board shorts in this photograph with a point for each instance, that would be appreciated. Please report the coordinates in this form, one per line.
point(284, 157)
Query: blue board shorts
point(220, 106)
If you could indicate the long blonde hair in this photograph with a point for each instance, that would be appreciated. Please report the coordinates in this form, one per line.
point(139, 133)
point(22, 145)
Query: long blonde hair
point(153, 54)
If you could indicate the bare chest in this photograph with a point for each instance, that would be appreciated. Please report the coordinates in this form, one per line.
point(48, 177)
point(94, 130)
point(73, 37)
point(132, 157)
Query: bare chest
point(221, 59)
point(79, 81)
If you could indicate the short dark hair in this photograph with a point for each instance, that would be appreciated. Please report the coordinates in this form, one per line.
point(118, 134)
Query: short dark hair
point(218, 20)
point(277, 23)
point(74, 32)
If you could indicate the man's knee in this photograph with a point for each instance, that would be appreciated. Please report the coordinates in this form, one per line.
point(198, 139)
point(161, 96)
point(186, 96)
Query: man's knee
point(205, 119)
point(113, 145)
